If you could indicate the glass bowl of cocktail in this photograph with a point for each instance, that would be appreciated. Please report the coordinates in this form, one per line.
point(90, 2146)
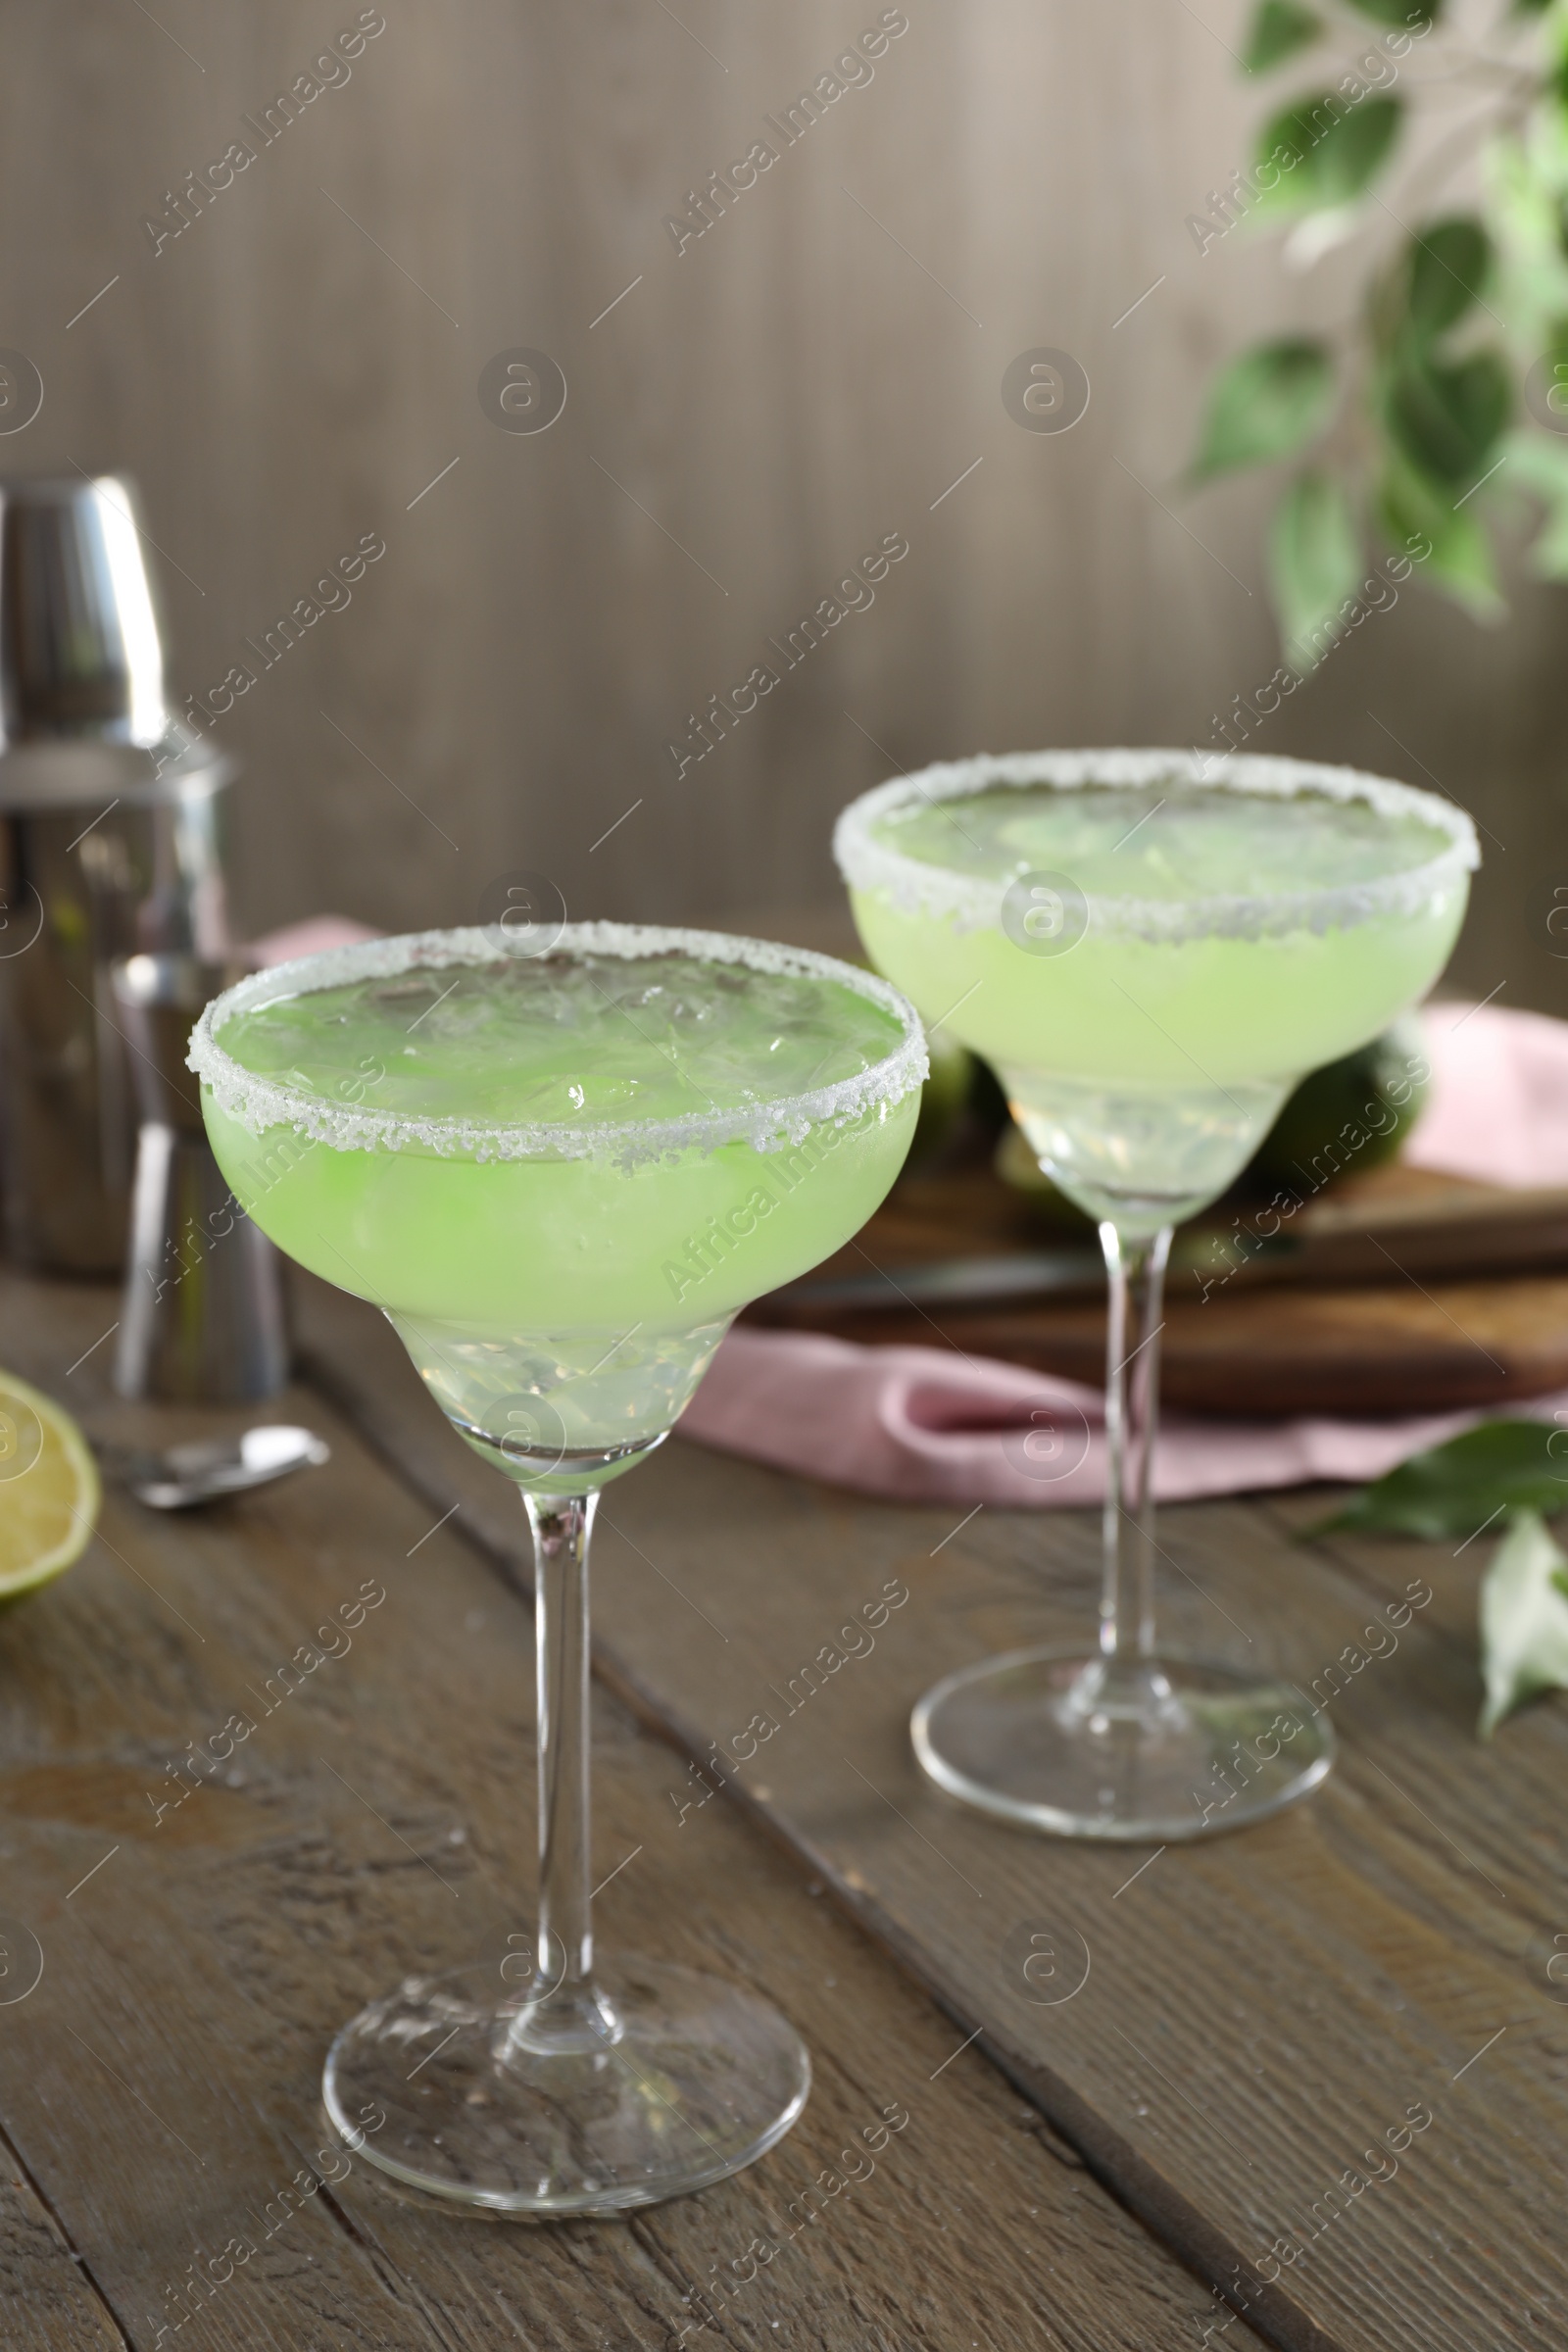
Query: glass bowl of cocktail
point(561, 1161)
point(1150, 948)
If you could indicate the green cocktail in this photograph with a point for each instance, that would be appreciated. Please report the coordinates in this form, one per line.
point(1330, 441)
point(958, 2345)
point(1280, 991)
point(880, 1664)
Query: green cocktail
point(560, 1176)
point(1150, 963)
point(1151, 952)
point(560, 1173)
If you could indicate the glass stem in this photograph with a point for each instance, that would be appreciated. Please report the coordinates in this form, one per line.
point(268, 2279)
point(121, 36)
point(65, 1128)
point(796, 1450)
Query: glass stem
point(1136, 1268)
point(564, 2010)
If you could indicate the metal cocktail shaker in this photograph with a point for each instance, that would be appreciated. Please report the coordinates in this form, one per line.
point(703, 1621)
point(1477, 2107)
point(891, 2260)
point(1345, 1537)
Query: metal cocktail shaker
point(204, 1317)
point(108, 848)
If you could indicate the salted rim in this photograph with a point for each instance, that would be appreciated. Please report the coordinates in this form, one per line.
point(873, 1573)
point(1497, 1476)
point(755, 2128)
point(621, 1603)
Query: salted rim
point(974, 901)
point(260, 1104)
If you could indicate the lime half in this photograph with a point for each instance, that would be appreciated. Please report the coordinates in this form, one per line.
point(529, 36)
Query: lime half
point(49, 1492)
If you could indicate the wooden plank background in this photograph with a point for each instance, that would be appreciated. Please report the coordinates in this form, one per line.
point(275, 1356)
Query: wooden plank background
point(814, 373)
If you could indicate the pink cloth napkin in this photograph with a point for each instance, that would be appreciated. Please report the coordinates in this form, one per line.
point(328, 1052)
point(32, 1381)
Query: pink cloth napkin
point(1498, 1107)
point(930, 1426)
point(927, 1425)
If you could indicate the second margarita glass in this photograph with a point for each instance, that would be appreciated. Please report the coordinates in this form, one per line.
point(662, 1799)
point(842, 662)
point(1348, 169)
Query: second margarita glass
point(1151, 949)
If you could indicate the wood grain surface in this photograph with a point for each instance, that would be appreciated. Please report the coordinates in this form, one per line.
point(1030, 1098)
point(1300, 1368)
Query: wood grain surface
point(1353, 1308)
point(1431, 1224)
point(1259, 2012)
point(167, 2176)
point(1394, 1347)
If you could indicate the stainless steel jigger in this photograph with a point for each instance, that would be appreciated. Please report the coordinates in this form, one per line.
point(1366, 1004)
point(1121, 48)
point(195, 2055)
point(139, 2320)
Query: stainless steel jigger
point(204, 1319)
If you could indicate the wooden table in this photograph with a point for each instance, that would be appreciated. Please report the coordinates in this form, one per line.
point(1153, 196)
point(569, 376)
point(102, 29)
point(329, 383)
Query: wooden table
point(1232, 2026)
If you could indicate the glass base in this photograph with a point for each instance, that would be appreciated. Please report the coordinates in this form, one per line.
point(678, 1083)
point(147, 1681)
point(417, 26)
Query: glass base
point(1152, 1752)
point(663, 2081)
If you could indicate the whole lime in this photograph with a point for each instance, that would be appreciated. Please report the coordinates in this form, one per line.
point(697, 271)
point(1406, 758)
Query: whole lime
point(943, 1096)
point(1351, 1115)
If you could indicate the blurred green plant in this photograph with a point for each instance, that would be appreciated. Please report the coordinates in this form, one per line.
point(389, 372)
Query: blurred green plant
point(1404, 426)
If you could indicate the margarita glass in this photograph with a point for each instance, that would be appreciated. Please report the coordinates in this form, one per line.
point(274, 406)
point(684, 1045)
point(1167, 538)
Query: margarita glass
point(1151, 949)
point(561, 1161)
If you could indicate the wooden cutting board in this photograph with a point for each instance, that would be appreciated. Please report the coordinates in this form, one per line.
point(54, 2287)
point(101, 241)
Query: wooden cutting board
point(1398, 1292)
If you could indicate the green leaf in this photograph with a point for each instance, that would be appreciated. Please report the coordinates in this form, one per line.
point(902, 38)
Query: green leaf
point(1266, 405)
point(1445, 417)
point(1523, 1621)
point(1315, 565)
point(1460, 1487)
point(1524, 208)
point(1414, 512)
point(1325, 149)
point(1418, 15)
point(1279, 29)
point(1538, 463)
point(1448, 264)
